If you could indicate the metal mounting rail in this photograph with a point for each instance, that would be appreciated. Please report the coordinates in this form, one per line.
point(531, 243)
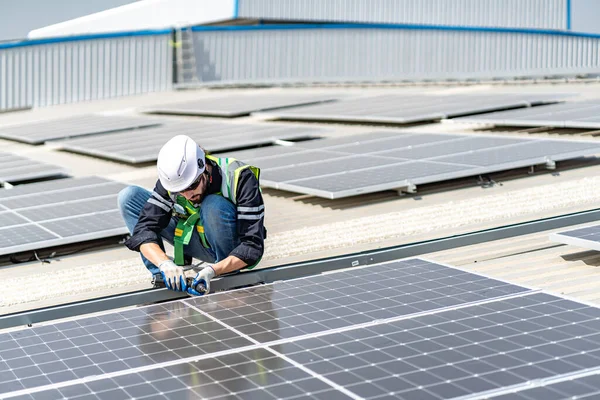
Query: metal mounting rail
point(297, 270)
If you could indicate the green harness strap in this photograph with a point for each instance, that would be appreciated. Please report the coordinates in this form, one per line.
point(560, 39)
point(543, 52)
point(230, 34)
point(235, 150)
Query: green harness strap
point(183, 234)
point(185, 229)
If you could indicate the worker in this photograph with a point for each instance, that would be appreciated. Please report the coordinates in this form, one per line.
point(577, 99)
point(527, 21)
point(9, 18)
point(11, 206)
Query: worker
point(208, 208)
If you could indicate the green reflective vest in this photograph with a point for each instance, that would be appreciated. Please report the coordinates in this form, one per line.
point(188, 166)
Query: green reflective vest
point(189, 215)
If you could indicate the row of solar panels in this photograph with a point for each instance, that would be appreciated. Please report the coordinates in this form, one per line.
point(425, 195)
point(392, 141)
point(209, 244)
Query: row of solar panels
point(389, 108)
point(74, 210)
point(84, 209)
point(351, 165)
point(111, 136)
point(405, 329)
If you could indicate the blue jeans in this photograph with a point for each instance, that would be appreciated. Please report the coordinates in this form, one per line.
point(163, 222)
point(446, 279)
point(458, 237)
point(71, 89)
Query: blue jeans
point(220, 225)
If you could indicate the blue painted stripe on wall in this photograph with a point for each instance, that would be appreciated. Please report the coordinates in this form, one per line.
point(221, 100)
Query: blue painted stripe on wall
point(83, 37)
point(568, 15)
point(392, 26)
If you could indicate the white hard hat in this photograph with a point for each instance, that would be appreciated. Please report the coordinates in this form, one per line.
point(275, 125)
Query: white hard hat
point(180, 163)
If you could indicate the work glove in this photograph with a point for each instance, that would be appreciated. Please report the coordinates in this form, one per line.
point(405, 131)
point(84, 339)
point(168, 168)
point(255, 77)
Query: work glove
point(201, 283)
point(173, 276)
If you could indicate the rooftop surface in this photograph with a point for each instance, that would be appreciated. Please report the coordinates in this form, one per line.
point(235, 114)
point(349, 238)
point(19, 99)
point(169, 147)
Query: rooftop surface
point(303, 227)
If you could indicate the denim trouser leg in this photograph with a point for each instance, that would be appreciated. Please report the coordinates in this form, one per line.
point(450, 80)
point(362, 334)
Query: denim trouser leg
point(219, 217)
point(220, 225)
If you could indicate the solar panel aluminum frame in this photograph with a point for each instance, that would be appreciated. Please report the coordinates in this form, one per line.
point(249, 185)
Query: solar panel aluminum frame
point(410, 185)
point(564, 238)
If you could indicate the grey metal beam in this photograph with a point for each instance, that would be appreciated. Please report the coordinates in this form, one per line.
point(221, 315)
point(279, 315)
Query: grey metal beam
point(297, 270)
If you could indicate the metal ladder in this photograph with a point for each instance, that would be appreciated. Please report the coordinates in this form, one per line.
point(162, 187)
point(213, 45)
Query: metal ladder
point(185, 56)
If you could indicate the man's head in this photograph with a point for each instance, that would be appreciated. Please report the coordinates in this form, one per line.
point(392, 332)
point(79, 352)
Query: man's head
point(182, 168)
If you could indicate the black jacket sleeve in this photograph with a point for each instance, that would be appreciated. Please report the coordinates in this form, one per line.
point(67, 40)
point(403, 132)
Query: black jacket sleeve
point(250, 215)
point(155, 217)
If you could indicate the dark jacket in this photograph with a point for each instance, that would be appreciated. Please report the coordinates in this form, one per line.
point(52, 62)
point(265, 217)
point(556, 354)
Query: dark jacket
point(158, 210)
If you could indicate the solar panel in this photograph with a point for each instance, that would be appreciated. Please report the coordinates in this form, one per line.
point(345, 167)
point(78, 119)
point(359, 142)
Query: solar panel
point(150, 337)
point(69, 211)
point(357, 181)
point(403, 108)
point(588, 238)
point(15, 168)
point(581, 114)
point(256, 374)
point(40, 132)
point(332, 166)
point(110, 343)
point(307, 306)
point(456, 353)
point(409, 329)
point(241, 104)
point(213, 136)
point(375, 161)
point(397, 142)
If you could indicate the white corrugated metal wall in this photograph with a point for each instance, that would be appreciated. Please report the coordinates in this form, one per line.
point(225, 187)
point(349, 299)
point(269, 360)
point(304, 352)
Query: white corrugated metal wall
point(489, 46)
point(257, 56)
point(35, 75)
point(534, 14)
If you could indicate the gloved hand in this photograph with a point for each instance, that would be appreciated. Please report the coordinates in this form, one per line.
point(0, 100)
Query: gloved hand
point(203, 277)
point(173, 276)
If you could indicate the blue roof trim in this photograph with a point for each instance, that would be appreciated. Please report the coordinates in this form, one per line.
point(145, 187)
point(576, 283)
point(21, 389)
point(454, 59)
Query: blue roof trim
point(568, 15)
point(392, 26)
point(64, 39)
